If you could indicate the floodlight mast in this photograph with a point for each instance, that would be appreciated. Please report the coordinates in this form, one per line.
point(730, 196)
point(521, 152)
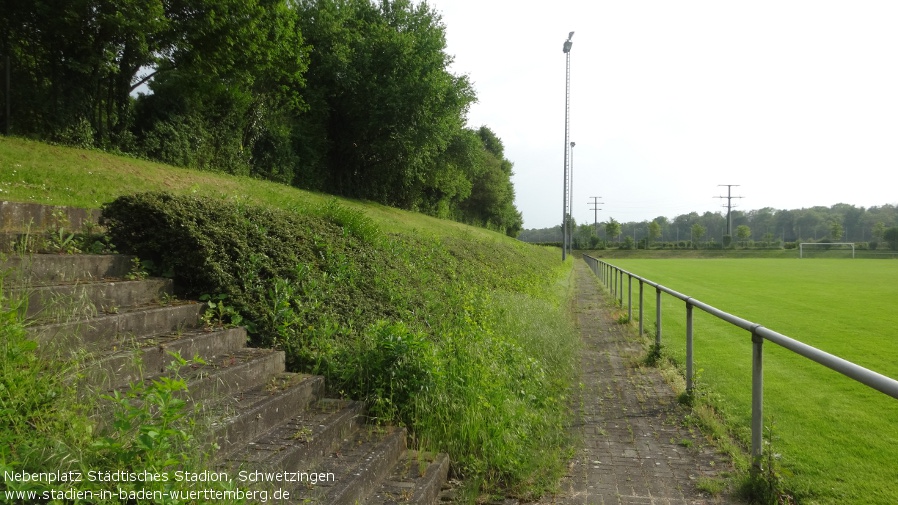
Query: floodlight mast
point(570, 202)
point(567, 124)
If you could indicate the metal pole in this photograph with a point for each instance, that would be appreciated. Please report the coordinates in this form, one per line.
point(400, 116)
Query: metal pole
point(629, 298)
point(567, 126)
point(689, 373)
point(570, 204)
point(757, 401)
point(641, 308)
point(658, 317)
point(621, 284)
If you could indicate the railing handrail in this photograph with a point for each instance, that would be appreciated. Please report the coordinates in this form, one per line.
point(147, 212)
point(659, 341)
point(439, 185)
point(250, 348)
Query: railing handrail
point(865, 376)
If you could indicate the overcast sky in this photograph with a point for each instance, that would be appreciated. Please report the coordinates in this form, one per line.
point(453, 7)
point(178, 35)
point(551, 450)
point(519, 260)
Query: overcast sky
point(794, 101)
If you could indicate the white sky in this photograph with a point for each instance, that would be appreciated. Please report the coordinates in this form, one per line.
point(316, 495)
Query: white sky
point(795, 101)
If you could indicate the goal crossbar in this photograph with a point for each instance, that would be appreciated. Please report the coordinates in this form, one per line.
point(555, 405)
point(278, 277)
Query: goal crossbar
point(801, 246)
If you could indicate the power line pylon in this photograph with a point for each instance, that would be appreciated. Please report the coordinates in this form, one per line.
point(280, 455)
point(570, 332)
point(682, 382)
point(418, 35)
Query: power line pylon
point(729, 206)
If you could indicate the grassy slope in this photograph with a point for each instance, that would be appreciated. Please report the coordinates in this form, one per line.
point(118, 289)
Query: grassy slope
point(53, 175)
point(837, 436)
point(515, 316)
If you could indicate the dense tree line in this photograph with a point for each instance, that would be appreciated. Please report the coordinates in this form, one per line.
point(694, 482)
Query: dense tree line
point(765, 227)
point(351, 97)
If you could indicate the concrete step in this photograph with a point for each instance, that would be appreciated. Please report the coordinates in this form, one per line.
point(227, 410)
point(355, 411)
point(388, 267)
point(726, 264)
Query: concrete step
point(20, 217)
point(80, 334)
point(220, 382)
point(417, 479)
point(304, 440)
point(148, 356)
point(250, 414)
point(356, 469)
point(45, 269)
point(61, 302)
point(232, 374)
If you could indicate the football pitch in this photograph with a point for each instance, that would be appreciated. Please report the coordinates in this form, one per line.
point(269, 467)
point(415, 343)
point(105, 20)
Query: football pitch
point(838, 439)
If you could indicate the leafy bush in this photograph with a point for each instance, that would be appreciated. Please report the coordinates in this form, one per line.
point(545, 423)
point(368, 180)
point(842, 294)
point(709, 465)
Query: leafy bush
point(428, 331)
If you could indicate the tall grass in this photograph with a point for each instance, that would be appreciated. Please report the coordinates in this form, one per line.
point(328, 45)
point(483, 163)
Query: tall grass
point(835, 437)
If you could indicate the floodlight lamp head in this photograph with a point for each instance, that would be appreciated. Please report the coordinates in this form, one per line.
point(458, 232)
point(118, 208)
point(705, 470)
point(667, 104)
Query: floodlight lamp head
point(568, 43)
point(573, 144)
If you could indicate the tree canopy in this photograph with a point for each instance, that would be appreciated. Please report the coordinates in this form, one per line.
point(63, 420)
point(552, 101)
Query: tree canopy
point(351, 97)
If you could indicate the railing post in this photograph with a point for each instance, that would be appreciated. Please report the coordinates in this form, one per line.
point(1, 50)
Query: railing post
point(614, 282)
point(689, 367)
point(658, 316)
point(757, 401)
point(630, 298)
point(641, 309)
point(621, 293)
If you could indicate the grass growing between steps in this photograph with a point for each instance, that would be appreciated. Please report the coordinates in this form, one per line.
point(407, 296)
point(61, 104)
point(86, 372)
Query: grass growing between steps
point(465, 341)
point(52, 452)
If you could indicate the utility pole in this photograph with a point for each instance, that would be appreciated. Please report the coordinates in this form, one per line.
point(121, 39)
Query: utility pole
point(729, 206)
point(595, 208)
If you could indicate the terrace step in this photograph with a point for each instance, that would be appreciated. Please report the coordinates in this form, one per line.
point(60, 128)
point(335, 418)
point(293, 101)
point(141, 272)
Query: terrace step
point(111, 330)
point(48, 269)
point(130, 360)
point(417, 479)
point(357, 468)
point(305, 439)
point(94, 297)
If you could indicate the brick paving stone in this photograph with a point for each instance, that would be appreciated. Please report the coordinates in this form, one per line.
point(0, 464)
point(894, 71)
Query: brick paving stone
point(628, 423)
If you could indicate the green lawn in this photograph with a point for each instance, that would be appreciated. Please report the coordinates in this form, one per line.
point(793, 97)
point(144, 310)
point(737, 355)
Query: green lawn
point(838, 438)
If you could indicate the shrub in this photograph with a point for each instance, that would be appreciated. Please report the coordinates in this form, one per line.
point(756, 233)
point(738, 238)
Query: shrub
point(407, 323)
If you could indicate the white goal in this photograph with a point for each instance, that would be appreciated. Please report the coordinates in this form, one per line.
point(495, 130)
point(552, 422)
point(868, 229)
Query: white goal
point(823, 245)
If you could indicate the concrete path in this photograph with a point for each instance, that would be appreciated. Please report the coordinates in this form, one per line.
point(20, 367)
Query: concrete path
point(633, 446)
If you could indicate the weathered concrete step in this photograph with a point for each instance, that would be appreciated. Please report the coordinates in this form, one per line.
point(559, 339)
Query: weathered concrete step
point(304, 440)
point(217, 382)
point(16, 216)
point(59, 302)
point(417, 479)
point(47, 269)
point(116, 329)
point(149, 356)
point(358, 467)
point(250, 414)
point(232, 374)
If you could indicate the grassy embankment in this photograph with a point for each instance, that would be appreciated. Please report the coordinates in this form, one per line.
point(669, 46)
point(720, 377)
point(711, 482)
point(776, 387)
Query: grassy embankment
point(471, 321)
point(837, 438)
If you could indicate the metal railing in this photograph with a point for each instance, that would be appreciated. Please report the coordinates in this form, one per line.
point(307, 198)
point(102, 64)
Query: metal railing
point(613, 278)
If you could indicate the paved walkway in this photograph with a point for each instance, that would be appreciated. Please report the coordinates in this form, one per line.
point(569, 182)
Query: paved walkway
point(633, 447)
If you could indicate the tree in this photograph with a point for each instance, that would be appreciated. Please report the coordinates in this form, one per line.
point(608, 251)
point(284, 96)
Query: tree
point(381, 93)
point(491, 200)
point(698, 231)
point(654, 231)
point(612, 229)
point(78, 62)
point(891, 237)
point(743, 233)
point(836, 231)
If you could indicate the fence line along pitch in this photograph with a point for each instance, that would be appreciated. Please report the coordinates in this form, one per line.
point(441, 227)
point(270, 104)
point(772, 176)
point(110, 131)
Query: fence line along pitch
point(613, 278)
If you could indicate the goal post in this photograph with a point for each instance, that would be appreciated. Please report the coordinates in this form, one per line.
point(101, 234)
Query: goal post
point(825, 245)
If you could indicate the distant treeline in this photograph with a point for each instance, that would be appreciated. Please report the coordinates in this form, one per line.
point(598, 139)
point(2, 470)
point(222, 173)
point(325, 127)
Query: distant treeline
point(350, 97)
point(766, 227)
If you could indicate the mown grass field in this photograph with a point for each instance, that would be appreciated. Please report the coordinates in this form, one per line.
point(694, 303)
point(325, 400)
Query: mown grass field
point(838, 439)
